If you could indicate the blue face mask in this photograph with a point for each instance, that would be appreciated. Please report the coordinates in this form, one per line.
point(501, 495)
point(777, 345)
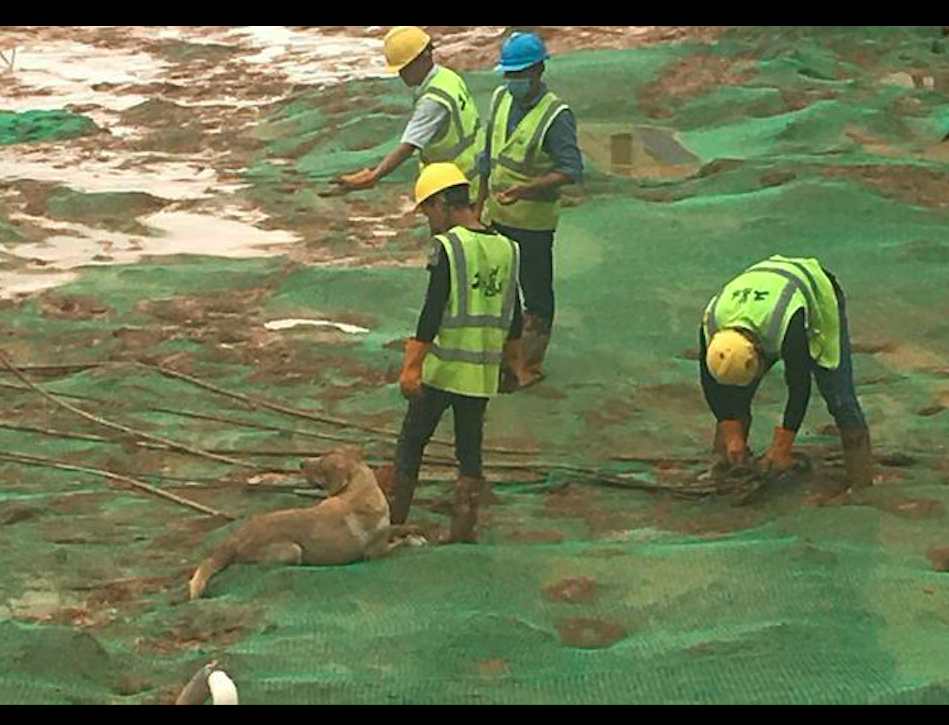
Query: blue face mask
point(520, 88)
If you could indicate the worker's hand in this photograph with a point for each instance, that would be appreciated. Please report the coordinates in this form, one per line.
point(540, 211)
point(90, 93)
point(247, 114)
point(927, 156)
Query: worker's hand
point(410, 381)
point(510, 382)
point(731, 441)
point(513, 195)
point(365, 179)
point(779, 458)
point(738, 457)
point(775, 463)
point(411, 386)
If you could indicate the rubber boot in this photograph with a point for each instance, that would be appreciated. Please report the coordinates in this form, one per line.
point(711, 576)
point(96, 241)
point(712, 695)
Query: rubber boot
point(858, 457)
point(403, 494)
point(464, 516)
point(537, 333)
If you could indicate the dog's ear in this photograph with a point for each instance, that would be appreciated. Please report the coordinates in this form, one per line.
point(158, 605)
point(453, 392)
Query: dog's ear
point(314, 471)
point(352, 452)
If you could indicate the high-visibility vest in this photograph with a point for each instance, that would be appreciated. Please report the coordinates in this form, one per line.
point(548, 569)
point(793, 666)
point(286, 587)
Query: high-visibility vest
point(467, 354)
point(519, 159)
point(765, 299)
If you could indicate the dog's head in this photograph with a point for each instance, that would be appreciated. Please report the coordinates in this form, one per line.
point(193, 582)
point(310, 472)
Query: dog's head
point(334, 471)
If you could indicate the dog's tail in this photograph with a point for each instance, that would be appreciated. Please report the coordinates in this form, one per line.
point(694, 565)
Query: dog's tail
point(220, 560)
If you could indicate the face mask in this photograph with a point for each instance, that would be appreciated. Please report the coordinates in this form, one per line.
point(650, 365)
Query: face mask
point(520, 88)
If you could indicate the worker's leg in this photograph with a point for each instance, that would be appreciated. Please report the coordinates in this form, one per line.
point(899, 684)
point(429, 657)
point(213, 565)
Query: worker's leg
point(537, 284)
point(840, 393)
point(469, 434)
point(469, 442)
point(425, 412)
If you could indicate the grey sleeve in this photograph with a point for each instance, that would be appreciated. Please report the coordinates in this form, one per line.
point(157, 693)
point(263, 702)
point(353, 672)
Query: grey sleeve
point(563, 146)
point(428, 121)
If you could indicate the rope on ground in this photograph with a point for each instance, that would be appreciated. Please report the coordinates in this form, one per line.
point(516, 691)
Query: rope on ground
point(27, 460)
point(132, 432)
point(692, 490)
point(255, 402)
point(250, 425)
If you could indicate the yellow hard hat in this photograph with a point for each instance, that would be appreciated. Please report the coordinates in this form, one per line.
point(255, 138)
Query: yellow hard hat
point(403, 44)
point(436, 178)
point(733, 359)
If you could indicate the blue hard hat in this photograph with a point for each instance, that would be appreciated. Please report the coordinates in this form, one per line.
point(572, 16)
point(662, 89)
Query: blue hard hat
point(522, 51)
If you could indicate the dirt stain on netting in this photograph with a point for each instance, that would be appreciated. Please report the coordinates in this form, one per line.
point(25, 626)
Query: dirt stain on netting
point(575, 590)
point(591, 634)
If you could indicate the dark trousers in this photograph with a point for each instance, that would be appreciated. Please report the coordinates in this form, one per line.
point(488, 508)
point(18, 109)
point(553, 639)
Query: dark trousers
point(537, 271)
point(838, 386)
point(425, 413)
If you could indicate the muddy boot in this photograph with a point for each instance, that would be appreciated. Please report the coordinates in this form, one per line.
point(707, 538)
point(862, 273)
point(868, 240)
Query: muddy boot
point(536, 343)
point(403, 493)
point(858, 458)
point(464, 517)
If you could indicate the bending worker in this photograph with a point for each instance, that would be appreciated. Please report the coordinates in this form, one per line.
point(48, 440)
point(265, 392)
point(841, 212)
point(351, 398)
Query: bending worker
point(791, 310)
point(531, 152)
point(470, 325)
point(445, 126)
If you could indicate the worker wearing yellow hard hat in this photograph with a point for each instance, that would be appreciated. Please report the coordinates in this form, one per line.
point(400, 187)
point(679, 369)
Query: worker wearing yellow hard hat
point(789, 310)
point(468, 334)
point(445, 126)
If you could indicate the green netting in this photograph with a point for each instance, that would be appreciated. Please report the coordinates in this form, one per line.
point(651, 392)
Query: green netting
point(578, 594)
point(36, 126)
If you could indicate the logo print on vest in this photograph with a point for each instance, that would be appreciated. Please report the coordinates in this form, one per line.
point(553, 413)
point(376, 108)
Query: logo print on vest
point(491, 287)
point(744, 295)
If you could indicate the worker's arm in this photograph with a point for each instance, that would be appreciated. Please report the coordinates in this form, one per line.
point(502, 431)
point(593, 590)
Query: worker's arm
point(536, 190)
point(368, 178)
point(436, 299)
point(398, 156)
point(796, 354)
point(427, 123)
point(562, 145)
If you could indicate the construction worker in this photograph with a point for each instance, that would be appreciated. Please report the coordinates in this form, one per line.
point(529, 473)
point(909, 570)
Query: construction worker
point(445, 126)
point(795, 311)
point(470, 326)
point(531, 152)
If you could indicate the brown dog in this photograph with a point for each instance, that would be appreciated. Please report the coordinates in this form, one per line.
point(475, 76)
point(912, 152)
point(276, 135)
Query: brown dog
point(351, 525)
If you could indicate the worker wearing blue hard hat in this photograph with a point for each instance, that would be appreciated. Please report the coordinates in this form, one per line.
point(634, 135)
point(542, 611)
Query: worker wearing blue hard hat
point(531, 153)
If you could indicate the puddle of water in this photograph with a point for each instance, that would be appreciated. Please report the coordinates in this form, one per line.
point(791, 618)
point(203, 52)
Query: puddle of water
point(17, 283)
point(65, 73)
point(170, 180)
point(76, 245)
point(56, 73)
point(311, 57)
point(282, 325)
